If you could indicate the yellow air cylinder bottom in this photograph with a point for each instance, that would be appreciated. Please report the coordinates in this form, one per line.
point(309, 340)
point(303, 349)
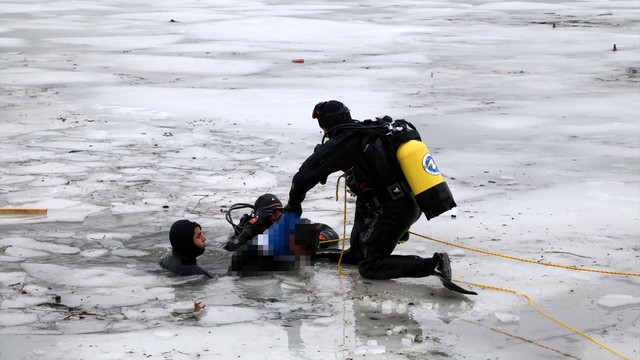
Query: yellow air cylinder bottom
point(424, 178)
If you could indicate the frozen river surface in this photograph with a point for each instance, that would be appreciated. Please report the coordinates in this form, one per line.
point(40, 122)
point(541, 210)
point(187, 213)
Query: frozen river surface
point(121, 117)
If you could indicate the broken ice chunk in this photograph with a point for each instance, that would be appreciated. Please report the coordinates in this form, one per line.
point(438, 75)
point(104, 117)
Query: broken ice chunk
point(612, 301)
point(506, 317)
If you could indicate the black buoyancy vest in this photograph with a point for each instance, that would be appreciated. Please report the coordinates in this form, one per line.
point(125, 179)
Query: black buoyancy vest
point(378, 167)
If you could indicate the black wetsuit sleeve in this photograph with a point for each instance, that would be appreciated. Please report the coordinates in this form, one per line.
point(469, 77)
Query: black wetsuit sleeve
point(238, 240)
point(340, 153)
point(250, 231)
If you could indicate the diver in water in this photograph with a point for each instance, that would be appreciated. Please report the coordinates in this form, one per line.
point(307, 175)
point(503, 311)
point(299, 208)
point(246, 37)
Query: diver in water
point(265, 241)
point(187, 243)
point(267, 210)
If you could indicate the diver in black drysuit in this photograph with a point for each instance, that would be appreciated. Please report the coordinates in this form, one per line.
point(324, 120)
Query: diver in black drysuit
point(182, 258)
point(385, 205)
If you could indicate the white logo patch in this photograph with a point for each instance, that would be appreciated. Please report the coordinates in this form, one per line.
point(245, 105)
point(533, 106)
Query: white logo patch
point(429, 165)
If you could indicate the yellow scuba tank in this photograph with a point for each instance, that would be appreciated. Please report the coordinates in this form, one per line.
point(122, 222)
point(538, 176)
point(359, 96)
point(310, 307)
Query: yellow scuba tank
point(424, 178)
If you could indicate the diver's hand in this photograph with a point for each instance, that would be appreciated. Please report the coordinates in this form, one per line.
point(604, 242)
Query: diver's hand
point(264, 217)
point(293, 208)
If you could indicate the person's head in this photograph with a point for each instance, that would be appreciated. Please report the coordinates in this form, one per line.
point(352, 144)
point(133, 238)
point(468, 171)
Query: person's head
point(187, 238)
point(331, 114)
point(271, 201)
point(303, 242)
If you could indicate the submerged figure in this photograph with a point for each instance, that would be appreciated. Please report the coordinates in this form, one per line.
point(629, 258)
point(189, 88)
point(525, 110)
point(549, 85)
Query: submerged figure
point(267, 240)
point(286, 246)
point(385, 204)
point(266, 211)
point(187, 243)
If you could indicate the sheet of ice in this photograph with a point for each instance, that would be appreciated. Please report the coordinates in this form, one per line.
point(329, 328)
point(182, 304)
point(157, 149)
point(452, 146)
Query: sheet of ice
point(89, 277)
point(23, 253)
point(22, 302)
point(94, 253)
point(17, 318)
point(506, 317)
point(106, 296)
point(12, 277)
point(613, 301)
point(221, 315)
point(26, 243)
point(120, 121)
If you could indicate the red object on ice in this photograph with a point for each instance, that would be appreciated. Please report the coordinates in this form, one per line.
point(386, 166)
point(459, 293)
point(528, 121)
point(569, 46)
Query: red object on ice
point(298, 60)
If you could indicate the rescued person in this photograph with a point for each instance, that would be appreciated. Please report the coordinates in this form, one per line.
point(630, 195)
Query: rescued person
point(266, 210)
point(265, 241)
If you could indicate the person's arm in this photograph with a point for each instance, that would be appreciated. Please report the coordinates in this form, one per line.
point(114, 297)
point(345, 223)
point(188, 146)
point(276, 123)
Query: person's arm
point(339, 153)
point(252, 228)
point(238, 240)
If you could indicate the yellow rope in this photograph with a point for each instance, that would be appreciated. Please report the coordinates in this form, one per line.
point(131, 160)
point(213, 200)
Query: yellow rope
point(519, 338)
point(459, 246)
point(545, 314)
point(332, 240)
point(525, 260)
point(494, 254)
point(344, 222)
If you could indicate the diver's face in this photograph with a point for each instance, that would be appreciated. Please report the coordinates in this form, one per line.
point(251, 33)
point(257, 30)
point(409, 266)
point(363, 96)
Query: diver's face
point(198, 238)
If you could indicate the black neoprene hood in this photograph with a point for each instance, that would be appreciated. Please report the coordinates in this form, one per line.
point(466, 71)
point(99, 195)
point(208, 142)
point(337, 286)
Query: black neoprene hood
point(330, 114)
point(181, 237)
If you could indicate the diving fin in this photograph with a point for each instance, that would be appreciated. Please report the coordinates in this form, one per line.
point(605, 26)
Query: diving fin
point(454, 287)
point(443, 272)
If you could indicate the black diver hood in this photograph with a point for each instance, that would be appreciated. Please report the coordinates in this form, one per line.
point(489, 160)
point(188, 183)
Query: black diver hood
point(266, 200)
point(331, 114)
point(181, 237)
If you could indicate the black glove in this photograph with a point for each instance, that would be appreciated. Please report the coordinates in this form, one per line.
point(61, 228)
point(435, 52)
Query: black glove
point(264, 217)
point(238, 240)
point(293, 208)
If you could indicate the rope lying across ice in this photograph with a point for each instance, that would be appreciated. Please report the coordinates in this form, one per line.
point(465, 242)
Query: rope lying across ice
point(467, 247)
point(545, 314)
point(526, 260)
point(494, 254)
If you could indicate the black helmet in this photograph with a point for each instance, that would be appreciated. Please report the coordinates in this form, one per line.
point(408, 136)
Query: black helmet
point(331, 113)
point(266, 200)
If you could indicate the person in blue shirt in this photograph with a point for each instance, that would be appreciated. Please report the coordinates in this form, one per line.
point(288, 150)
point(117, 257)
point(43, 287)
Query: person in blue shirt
point(266, 211)
point(268, 240)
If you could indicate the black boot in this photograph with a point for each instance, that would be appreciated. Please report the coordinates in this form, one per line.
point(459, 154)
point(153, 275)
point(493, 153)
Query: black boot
point(443, 265)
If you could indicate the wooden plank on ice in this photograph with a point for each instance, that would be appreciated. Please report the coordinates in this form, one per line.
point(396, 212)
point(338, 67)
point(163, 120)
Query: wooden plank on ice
point(5, 210)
